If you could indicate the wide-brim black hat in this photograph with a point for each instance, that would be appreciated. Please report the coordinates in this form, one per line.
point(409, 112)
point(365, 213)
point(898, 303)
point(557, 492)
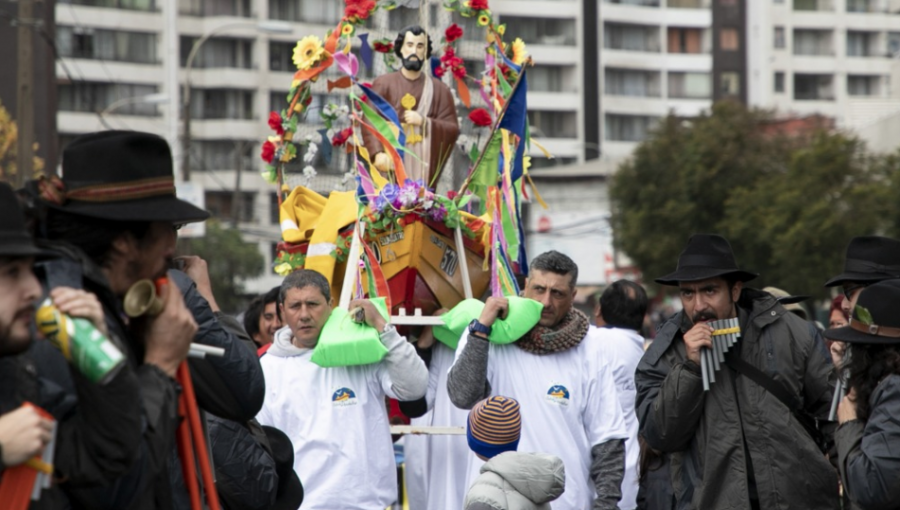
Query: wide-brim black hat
point(706, 256)
point(15, 241)
point(869, 259)
point(122, 176)
point(290, 489)
point(874, 320)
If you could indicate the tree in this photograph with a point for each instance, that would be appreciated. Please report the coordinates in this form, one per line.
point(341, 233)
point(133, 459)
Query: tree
point(229, 259)
point(787, 204)
point(9, 135)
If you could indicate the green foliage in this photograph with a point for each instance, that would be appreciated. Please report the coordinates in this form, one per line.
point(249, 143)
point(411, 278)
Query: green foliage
point(788, 205)
point(230, 260)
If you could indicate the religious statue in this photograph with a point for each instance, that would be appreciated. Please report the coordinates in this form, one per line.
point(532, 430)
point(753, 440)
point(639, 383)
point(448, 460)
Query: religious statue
point(424, 106)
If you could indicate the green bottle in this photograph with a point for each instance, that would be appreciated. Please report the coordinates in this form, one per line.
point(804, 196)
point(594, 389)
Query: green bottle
point(83, 345)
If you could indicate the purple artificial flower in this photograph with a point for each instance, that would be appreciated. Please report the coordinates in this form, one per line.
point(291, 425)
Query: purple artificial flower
point(438, 213)
point(388, 197)
point(408, 196)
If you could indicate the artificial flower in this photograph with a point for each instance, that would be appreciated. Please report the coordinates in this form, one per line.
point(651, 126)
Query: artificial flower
point(519, 52)
point(484, 20)
point(453, 33)
point(480, 117)
point(275, 123)
point(478, 5)
point(501, 29)
point(268, 151)
point(449, 54)
point(358, 10)
point(408, 196)
point(308, 52)
point(341, 138)
point(439, 72)
point(383, 46)
point(309, 172)
point(437, 213)
point(459, 72)
point(283, 269)
point(347, 29)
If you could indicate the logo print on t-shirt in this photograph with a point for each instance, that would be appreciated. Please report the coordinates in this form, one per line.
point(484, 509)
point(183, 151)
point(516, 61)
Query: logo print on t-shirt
point(344, 397)
point(558, 394)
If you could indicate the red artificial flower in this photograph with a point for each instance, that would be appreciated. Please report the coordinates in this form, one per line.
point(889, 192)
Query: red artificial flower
point(357, 10)
point(439, 72)
point(478, 5)
point(449, 54)
point(342, 137)
point(451, 194)
point(275, 123)
point(268, 152)
point(383, 47)
point(459, 71)
point(453, 33)
point(480, 117)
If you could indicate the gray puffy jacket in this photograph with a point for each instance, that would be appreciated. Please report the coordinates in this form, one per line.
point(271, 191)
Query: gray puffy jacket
point(517, 481)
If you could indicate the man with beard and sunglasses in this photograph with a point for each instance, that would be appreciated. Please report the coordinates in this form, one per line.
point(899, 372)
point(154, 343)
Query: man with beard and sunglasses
point(738, 445)
point(424, 106)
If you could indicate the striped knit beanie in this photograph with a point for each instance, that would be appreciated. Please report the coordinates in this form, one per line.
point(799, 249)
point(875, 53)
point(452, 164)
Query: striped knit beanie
point(494, 426)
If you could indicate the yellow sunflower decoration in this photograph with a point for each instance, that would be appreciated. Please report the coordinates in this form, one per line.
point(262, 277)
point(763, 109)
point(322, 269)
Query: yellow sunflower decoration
point(519, 53)
point(308, 52)
point(484, 20)
point(347, 29)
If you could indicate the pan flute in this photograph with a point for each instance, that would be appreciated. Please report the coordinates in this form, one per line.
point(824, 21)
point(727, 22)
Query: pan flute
point(726, 333)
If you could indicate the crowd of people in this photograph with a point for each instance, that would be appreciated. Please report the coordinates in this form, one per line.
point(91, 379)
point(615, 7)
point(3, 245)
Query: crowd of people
point(573, 414)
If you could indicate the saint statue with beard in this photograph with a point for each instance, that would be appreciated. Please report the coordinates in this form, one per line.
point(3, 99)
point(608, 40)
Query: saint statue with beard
point(423, 104)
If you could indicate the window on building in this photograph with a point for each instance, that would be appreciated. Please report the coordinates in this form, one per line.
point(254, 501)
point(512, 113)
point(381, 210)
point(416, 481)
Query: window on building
point(553, 124)
point(93, 97)
point(779, 82)
point(210, 104)
point(543, 31)
point(628, 82)
point(813, 42)
point(546, 78)
point(779, 38)
point(280, 55)
point(728, 3)
point(274, 210)
point(690, 85)
point(239, 8)
point(402, 17)
point(688, 4)
point(98, 44)
point(685, 40)
point(863, 85)
point(542, 162)
point(629, 37)
point(861, 44)
point(728, 39)
point(730, 84)
point(814, 5)
point(628, 128)
point(218, 53)
point(218, 155)
point(638, 3)
point(219, 204)
point(893, 44)
point(310, 11)
point(134, 5)
point(813, 87)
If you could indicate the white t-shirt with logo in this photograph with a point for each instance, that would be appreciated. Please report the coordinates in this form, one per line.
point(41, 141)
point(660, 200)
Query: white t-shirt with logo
point(437, 465)
point(568, 403)
point(338, 424)
point(623, 349)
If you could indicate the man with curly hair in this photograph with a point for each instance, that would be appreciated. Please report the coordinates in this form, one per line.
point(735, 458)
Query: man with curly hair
point(424, 106)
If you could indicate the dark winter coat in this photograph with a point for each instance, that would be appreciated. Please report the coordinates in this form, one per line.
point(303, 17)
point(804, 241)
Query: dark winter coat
point(710, 433)
point(869, 453)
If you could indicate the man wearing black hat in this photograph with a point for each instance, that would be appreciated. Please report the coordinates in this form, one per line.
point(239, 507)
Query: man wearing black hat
point(102, 439)
point(868, 438)
point(112, 221)
point(739, 445)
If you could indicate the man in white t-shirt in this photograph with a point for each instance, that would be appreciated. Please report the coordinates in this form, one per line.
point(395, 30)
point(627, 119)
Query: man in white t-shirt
point(565, 387)
point(336, 417)
point(623, 305)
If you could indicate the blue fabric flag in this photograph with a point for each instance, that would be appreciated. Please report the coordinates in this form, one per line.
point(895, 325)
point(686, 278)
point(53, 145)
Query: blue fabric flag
point(514, 120)
point(365, 51)
point(325, 146)
point(435, 63)
point(386, 110)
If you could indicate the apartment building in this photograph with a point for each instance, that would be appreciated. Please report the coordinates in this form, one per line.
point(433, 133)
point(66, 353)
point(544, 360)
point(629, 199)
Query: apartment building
point(833, 57)
point(656, 57)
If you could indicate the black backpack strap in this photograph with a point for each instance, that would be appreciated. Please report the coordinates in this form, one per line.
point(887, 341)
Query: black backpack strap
point(759, 377)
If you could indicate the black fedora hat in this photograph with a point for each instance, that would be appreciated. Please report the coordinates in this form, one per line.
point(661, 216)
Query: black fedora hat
point(874, 319)
point(121, 176)
point(290, 489)
point(15, 241)
point(706, 256)
point(869, 259)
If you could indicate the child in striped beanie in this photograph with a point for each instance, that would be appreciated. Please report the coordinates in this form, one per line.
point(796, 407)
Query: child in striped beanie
point(494, 427)
point(509, 480)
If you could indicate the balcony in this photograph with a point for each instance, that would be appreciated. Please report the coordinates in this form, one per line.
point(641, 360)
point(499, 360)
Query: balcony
point(205, 8)
point(630, 37)
point(813, 87)
point(130, 5)
point(814, 5)
point(628, 128)
point(690, 85)
point(863, 44)
point(817, 43)
point(636, 3)
point(106, 45)
point(627, 82)
point(864, 86)
point(688, 4)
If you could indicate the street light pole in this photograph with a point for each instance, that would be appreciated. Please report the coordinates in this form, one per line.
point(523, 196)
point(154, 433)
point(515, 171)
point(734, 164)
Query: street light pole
point(115, 105)
point(268, 26)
